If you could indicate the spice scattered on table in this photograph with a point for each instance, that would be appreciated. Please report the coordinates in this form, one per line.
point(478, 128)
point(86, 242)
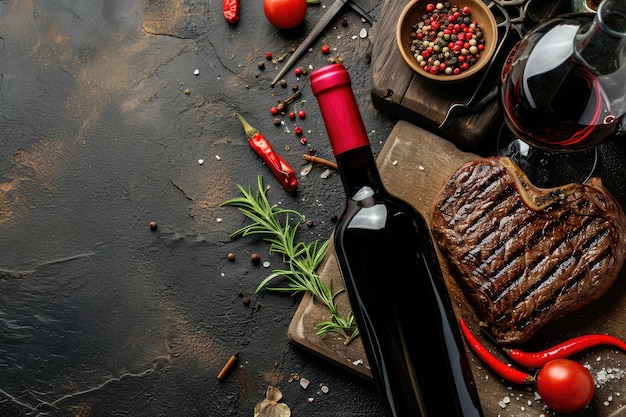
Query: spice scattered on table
point(229, 365)
point(304, 383)
point(270, 406)
point(318, 160)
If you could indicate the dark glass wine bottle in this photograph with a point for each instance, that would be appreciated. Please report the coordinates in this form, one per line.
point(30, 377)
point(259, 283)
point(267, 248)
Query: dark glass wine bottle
point(392, 275)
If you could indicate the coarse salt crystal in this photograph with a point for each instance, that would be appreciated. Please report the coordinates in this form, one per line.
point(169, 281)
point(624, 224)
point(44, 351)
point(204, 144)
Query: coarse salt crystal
point(304, 383)
point(201, 161)
point(266, 264)
point(196, 72)
point(325, 389)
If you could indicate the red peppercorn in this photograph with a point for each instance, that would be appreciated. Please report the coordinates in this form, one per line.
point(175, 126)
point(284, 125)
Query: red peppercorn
point(430, 7)
point(268, 55)
point(303, 141)
point(465, 10)
point(292, 115)
point(298, 130)
point(298, 71)
point(325, 49)
point(302, 114)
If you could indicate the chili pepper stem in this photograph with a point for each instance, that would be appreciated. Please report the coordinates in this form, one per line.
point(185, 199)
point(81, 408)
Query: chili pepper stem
point(247, 128)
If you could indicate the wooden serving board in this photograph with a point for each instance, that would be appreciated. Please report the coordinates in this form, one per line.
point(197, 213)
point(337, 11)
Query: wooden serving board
point(414, 165)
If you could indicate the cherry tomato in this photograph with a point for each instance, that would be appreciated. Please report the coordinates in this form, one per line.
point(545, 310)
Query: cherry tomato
point(285, 14)
point(565, 385)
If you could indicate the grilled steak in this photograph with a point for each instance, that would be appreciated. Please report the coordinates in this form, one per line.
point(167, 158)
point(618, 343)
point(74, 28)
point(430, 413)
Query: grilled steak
point(526, 255)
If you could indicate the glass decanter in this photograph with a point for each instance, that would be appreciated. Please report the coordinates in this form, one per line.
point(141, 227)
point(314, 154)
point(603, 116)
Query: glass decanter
point(563, 92)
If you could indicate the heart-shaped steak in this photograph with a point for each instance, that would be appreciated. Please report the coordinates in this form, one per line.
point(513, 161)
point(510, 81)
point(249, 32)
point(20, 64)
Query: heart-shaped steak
point(527, 255)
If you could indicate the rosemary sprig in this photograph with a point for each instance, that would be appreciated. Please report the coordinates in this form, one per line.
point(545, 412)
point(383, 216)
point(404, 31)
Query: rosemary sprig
point(301, 258)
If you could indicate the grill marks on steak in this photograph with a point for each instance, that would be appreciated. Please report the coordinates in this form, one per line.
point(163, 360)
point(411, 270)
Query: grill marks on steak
point(527, 255)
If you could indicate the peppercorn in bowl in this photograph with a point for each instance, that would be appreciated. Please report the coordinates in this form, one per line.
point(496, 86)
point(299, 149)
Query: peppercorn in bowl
point(446, 41)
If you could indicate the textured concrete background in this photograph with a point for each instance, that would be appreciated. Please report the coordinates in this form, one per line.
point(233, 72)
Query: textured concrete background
point(99, 315)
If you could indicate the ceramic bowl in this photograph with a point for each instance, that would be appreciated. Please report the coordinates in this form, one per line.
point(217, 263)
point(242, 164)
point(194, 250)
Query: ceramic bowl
point(479, 12)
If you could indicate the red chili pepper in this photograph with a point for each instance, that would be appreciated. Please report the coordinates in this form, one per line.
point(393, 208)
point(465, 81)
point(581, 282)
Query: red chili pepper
point(231, 10)
point(499, 367)
point(281, 169)
point(563, 350)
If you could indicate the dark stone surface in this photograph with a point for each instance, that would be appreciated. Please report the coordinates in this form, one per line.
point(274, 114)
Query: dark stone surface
point(99, 314)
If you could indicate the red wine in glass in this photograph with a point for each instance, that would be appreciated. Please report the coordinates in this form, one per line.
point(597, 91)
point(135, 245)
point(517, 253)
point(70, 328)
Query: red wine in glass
point(563, 93)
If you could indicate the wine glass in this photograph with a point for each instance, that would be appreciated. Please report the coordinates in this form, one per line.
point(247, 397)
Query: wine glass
point(563, 92)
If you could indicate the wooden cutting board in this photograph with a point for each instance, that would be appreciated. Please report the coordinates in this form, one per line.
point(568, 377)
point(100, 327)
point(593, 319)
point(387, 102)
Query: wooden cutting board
point(414, 165)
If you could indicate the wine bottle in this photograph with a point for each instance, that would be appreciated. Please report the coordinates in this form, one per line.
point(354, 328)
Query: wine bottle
point(392, 276)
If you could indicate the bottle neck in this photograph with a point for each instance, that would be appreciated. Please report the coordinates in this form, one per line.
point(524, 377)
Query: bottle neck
point(602, 44)
point(357, 168)
point(332, 88)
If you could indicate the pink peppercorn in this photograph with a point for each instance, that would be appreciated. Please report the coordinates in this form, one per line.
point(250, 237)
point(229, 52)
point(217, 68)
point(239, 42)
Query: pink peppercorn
point(274, 110)
point(303, 141)
point(292, 115)
point(298, 71)
point(302, 114)
point(297, 130)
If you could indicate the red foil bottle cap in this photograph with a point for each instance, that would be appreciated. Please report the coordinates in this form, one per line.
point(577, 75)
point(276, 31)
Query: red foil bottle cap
point(332, 87)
